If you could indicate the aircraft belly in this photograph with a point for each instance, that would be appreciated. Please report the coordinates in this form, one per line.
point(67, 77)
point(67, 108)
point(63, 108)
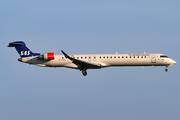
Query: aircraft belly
point(51, 63)
point(146, 62)
point(137, 62)
point(57, 63)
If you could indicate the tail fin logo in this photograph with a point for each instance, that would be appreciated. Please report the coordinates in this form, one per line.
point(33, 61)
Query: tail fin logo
point(25, 53)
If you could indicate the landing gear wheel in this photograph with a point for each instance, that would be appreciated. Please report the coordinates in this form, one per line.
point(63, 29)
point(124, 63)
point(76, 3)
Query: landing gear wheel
point(166, 68)
point(84, 72)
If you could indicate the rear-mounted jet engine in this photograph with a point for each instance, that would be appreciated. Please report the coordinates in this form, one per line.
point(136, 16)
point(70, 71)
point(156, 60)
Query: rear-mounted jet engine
point(47, 56)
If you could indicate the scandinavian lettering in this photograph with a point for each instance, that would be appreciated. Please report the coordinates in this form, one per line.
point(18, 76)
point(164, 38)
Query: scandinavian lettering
point(25, 52)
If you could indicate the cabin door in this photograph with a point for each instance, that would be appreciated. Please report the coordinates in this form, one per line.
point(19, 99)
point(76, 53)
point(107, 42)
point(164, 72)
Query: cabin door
point(153, 59)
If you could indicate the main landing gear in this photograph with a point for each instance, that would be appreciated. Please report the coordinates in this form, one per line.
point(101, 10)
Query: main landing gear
point(83, 69)
point(166, 68)
point(84, 72)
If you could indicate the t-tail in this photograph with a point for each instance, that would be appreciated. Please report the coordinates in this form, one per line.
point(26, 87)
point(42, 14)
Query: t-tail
point(22, 49)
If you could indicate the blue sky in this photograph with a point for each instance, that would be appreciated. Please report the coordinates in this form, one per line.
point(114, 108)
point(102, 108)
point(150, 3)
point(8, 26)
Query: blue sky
point(31, 92)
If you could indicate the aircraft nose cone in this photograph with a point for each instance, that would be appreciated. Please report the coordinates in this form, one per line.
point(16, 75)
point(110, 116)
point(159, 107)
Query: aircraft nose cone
point(173, 62)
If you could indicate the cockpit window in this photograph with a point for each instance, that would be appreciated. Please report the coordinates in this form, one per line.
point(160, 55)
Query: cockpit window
point(164, 56)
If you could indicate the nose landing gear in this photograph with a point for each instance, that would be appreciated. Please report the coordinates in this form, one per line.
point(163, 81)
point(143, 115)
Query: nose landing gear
point(166, 68)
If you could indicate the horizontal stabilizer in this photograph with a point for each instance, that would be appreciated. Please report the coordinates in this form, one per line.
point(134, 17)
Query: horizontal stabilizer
point(14, 44)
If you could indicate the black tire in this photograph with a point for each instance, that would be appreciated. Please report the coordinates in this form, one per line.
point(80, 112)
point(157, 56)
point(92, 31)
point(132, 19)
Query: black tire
point(84, 72)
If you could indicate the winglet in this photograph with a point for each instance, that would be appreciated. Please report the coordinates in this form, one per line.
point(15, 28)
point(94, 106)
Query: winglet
point(66, 55)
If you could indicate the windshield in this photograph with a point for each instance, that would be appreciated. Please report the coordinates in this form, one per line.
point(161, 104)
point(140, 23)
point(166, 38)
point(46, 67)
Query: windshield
point(164, 56)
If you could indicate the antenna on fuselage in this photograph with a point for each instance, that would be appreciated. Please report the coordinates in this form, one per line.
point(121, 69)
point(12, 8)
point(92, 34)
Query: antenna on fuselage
point(116, 53)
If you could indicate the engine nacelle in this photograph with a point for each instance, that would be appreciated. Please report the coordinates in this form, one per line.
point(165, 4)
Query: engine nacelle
point(47, 56)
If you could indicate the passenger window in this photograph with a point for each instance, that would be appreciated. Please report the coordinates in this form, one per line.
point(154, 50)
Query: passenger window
point(77, 57)
point(62, 57)
point(81, 57)
point(141, 56)
point(104, 57)
point(114, 56)
point(118, 56)
point(130, 57)
point(111, 57)
point(85, 57)
point(122, 56)
point(134, 56)
point(100, 57)
point(126, 57)
point(144, 56)
point(107, 56)
point(137, 56)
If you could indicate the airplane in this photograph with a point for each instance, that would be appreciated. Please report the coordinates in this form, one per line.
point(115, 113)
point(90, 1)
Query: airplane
point(83, 62)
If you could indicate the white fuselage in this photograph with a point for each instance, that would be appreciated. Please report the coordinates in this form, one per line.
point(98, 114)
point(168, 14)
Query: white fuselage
point(83, 62)
point(104, 60)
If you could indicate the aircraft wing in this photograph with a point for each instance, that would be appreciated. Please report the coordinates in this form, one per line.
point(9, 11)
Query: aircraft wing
point(81, 63)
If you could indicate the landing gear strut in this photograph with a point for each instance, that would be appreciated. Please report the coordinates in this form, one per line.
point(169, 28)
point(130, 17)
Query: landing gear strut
point(166, 68)
point(84, 72)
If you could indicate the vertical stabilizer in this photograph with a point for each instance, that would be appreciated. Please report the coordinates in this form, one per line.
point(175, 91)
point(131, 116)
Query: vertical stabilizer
point(22, 49)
